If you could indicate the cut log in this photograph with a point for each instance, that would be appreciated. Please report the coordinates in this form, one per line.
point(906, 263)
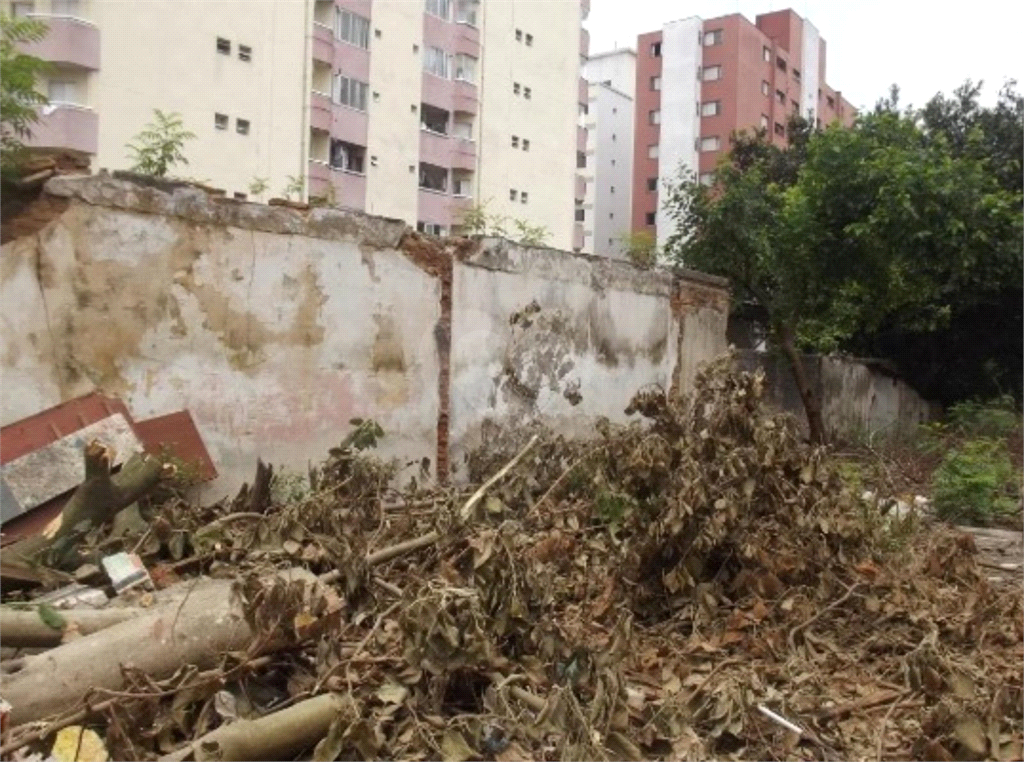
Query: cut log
point(280, 735)
point(96, 500)
point(26, 629)
point(204, 625)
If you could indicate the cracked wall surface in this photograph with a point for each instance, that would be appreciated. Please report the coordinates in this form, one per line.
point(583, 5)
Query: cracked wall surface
point(274, 326)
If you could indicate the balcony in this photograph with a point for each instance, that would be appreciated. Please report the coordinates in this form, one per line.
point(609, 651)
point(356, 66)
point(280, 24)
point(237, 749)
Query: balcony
point(584, 9)
point(69, 41)
point(349, 188)
point(464, 97)
point(349, 124)
point(581, 139)
point(584, 43)
point(66, 127)
point(352, 60)
point(323, 44)
point(584, 91)
point(436, 207)
point(358, 7)
point(466, 39)
point(464, 155)
point(320, 111)
point(581, 186)
point(436, 148)
point(577, 237)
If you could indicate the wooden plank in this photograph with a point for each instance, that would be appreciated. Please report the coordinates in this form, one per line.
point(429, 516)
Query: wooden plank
point(57, 468)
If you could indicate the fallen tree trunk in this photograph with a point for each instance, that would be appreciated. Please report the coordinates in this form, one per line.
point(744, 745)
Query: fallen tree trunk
point(204, 625)
point(97, 499)
point(26, 629)
point(280, 735)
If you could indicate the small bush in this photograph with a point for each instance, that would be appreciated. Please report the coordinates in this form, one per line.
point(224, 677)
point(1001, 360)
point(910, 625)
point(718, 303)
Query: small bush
point(993, 418)
point(974, 482)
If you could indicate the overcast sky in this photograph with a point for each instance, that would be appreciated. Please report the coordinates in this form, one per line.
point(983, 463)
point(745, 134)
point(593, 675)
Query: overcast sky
point(924, 47)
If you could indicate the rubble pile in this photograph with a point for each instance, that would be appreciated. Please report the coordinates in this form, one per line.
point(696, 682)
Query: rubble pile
point(699, 585)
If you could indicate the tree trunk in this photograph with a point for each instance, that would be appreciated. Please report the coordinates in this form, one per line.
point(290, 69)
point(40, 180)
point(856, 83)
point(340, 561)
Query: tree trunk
point(195, 630)
point(280, 735)
point(812, 405)
point(26, 629)
point(96, 500)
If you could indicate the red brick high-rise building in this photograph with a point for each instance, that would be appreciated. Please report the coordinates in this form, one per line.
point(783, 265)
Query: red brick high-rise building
point(698, 81)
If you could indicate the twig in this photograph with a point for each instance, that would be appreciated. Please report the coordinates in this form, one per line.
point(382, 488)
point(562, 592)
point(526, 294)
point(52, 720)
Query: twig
point(881, 731)
point(359, 647)
point(467, 509)
point(393, 589)
point(779, 719)
point(692, 694)
point(865, 703)
point(792, 633)
point(394, 551)
point(534, 702)
point(583, 458)
point(182, 604)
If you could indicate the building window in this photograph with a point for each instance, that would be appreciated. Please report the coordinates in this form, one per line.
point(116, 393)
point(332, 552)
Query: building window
point(766, 89)
point(711, 108)
point(223, 46)
point(519, 35)
point(781, 96)
point(711, 143)
point(512, 194)
point(244, 53)
point(433, 177)
point(655, 83)
point(654, 117)
point(439, 8)
point(62, 91)
point(433, 119)
point(242, 126)
point(713, 37)
point(613, 137)
point(707, 178)
point(350, 92)
point(652, 151)
point(465, 11)
point(516, 88)
point(613, 162)
point(649, 218)
point(430, 228)
point(515, 141)
point(220, 121)
point(529, 40)
point(612, 189)
point(465, 68)
point(526, 144)
point(524, 197)
point(581, 160)
point(779, 129)
point(766, 53)
point(781, 63)
point(611, 215)
point(462, 185)
point(831, 101)
point(764, 122)
point(584, 109)
point(348, 156)
point(526, 93)
point(655, 50)
point(652, 183)
point(711, 73)
point(350, 28)
point(796, 74)
point(22, 8)
point(581, 215)
point(435, 61)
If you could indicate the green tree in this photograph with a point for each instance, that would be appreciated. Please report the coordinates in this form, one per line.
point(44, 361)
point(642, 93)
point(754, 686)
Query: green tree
point(19, 99)
point(641, 247)
point(159, 146)
point(846, 229)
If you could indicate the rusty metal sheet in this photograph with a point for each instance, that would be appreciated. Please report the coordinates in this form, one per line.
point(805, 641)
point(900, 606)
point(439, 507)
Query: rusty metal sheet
point(54, 469)
point(178, 433)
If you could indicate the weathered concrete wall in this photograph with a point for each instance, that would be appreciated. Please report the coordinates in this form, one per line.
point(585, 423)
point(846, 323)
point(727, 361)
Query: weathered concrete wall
point(857, 397)
point(275, 326)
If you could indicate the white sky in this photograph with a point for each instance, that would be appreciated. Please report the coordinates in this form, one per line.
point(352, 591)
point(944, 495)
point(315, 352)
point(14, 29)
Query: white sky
point(924, 47)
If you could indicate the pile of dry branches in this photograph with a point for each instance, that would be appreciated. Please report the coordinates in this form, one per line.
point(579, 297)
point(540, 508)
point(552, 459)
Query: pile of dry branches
point(699, 585)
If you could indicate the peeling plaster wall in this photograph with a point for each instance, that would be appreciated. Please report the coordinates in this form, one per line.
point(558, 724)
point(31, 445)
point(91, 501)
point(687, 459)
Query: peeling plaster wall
point(540, 334)
point(275, 326)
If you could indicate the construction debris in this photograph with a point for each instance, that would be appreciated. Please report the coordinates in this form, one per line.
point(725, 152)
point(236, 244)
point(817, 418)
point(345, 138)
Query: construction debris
point(701, 585)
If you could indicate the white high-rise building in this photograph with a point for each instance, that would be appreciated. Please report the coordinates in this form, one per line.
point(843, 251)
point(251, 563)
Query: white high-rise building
point(415, 109)
point(606, 208)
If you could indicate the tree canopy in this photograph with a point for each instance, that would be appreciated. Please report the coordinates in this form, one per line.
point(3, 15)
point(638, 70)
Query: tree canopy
point(19, 99)
point(854, 239)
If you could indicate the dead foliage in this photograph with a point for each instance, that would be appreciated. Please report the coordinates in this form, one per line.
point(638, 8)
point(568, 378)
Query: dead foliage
point(657, 592)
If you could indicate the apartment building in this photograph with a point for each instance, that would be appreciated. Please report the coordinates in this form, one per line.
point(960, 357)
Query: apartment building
point(605, 207)
point(415, 109)
point(698, 81)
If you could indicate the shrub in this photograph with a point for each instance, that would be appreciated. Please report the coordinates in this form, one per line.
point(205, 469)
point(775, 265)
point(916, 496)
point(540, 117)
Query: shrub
point(974, 482)
point(992, 418)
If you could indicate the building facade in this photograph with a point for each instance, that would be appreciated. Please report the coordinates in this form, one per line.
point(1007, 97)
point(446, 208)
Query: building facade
point(605, 208)
point(698, 81)
point(414, 109)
